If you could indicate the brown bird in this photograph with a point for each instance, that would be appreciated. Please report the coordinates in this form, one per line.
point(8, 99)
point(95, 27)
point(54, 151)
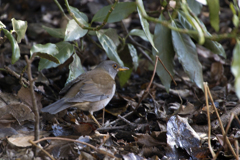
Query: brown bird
point(91, 91)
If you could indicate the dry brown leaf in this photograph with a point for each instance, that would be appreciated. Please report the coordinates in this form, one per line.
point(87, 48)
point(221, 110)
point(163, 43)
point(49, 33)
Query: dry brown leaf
point(20, 140)
point(25, 95)
point(147, 140)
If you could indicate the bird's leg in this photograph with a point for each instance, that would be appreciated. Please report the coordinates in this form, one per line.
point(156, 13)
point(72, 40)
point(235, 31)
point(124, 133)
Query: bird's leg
point(91, 114)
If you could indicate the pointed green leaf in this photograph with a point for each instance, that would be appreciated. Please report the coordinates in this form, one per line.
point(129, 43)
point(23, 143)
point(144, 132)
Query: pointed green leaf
point(236, 67)
point(195, 6)
point(140, 33)
point(46, 52)
point(14, 45)
point(109, 47)
point(133, 53)
point(124, 76)
point(61, 51)
point(235, 20)
point(20, 28)
point(2, 25)
point(163, 41)
point(112, 34)
point(48, 57)
point(187, 56)
point(214, 9)
point(145, 24)
point(55, 32)
point(75, 69)
point(78, 14)
point(74, 31)
point(121, 11)
point(48, 48)
point(195, 25)
point(213, 46)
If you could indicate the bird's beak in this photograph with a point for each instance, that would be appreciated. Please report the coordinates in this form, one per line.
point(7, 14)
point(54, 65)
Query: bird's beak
point(123, 68)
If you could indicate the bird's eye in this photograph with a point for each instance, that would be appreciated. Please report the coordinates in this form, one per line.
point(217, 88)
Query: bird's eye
point(115, 66)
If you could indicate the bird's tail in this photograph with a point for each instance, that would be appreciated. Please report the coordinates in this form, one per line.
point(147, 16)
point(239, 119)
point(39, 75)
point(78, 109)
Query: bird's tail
point(56, 107)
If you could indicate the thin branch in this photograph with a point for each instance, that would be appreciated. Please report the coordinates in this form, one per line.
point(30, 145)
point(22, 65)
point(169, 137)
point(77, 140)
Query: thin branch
point(34, 101)
point(94, 42)
point(146, 92)
point(221, 125)
point(91, 28)
point(112, 128)
point(127, 121)
point(115, 121)
point(61, 9)
point(25, 83)
point(30, 141)
point(166, 70)
point(209, 122)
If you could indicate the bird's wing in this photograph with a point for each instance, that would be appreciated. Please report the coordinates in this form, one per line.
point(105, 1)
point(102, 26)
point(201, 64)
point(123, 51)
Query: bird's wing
point(96, 88)
point(73, 82)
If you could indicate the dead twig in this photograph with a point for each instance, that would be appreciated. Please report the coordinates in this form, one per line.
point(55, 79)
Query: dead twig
point(115, 121)
point(111, 128)
point(219, 120)
point(32, 142)
point(166, 70)
point(146, 92)
point(16, 75)
point(127, 121)
point(25, 83)
point(209, 123)
point(34, 100)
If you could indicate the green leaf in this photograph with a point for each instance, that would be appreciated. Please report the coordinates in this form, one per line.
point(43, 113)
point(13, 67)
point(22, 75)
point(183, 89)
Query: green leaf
point(195, 25)
point(140, 33)
point(213, 46)
point(74, 31)
point(78, 14)
point(187, 56)
point(61, 51)
point(214, 9)
point(14, 45)
point(48, 57)
point(54, 32)
point(124, 76)
point(112, 34)
point(145, 24)
point(235, 68)
point(235, 20)
point(121, 11)
point(47, 52)
point(20, 28)
point(75, 69)
point(163, 42)
point(2, 25)
point(133, 53)
point(109, 47)
point(195, 6)
point(231, 6)
point(48, 48)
